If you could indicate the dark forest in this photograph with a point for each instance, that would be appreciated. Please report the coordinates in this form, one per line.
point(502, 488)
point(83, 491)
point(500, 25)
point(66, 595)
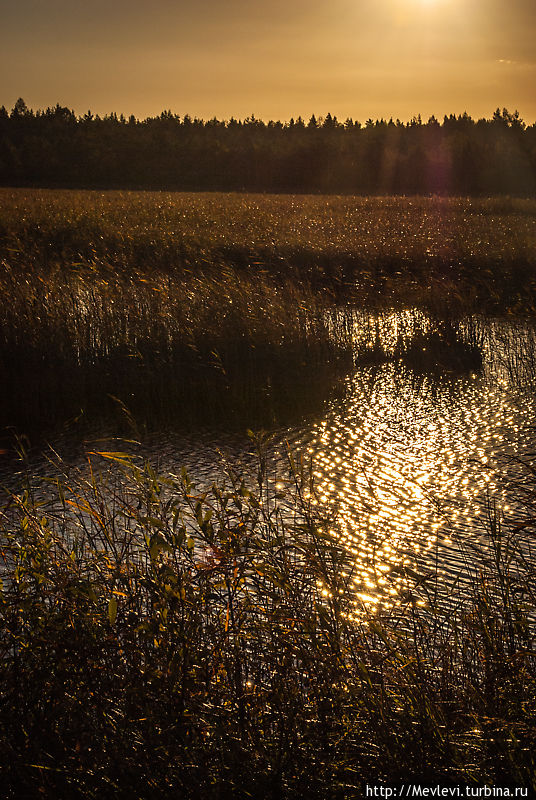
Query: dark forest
point(455, 156)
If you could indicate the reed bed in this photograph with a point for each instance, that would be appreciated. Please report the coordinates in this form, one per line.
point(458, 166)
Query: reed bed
point(213, 307)
point(206, 346)
point(159, 639)
point(368, 245)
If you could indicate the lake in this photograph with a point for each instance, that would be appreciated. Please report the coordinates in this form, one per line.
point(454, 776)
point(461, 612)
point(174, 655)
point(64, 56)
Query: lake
point(409, 459)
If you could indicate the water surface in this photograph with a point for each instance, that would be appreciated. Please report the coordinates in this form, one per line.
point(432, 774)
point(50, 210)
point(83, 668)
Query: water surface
point(409, 462)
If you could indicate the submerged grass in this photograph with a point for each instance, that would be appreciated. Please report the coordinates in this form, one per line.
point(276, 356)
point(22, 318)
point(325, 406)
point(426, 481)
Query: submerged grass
point(163, 639)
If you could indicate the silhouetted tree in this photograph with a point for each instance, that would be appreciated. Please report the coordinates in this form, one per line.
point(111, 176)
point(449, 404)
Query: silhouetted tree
point(458, 156)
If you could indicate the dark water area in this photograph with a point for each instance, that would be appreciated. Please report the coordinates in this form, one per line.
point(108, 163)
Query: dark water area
point(411, 461)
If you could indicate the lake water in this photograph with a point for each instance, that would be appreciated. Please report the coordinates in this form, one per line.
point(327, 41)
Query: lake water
point(408, 463)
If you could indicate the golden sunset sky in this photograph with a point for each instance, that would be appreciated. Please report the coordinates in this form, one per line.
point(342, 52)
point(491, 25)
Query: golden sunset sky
point(275, 59)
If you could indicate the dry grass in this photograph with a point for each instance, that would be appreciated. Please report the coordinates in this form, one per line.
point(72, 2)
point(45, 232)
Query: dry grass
point(145, 229)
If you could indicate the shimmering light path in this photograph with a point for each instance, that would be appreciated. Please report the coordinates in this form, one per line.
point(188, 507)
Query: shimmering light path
point(408, 464)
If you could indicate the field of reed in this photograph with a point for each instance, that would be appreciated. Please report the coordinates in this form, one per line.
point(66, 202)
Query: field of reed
point(161, 640)
point(362, 245)
point(181, 229)
point(80, 342)
point(166, 304)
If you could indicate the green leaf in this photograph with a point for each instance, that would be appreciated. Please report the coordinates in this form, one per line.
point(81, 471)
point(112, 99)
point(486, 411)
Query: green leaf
point(112, 610)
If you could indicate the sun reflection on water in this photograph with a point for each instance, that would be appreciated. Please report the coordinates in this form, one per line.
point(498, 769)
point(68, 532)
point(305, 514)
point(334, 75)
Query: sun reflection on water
point(404, 462)
point(406, 465)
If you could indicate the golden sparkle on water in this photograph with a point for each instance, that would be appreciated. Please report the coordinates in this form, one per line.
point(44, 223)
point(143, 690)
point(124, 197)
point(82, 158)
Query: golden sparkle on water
point(405, 464)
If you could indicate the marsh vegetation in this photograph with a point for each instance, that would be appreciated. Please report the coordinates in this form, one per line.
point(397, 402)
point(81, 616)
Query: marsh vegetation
point(172, 302)
point(227, 635)
point(161, 639)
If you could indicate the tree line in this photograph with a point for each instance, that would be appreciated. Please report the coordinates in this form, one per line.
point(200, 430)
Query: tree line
point(455, 156)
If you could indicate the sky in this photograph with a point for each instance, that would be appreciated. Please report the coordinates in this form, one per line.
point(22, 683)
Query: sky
point(275, 59)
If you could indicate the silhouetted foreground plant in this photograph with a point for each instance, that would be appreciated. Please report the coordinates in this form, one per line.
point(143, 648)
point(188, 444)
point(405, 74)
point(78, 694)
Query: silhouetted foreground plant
point(162, 640)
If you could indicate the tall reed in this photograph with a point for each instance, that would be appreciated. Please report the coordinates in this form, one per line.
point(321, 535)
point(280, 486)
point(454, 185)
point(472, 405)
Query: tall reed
point(166, 346)
point(175, 302)
point(163, 638)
